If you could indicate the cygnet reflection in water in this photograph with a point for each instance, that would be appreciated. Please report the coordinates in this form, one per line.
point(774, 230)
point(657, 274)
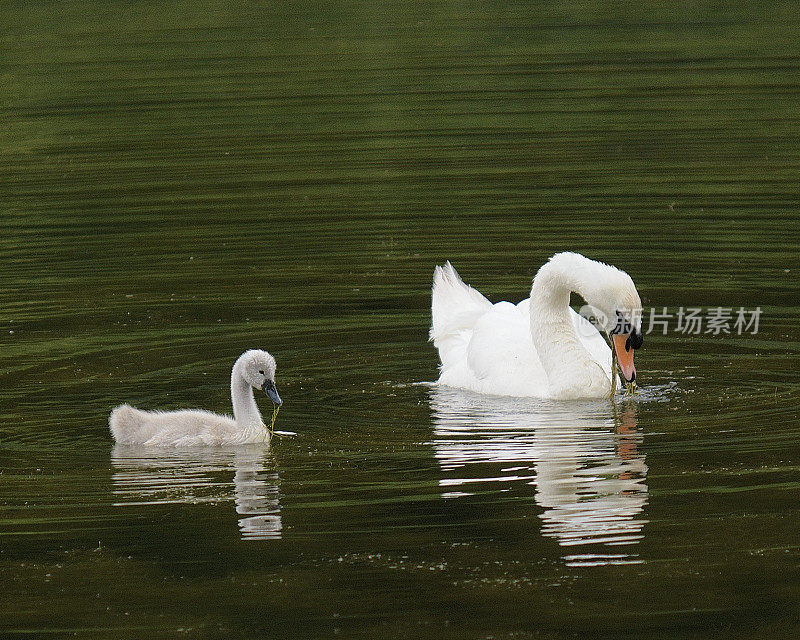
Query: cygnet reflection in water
point(582, 458)
point(153, 476)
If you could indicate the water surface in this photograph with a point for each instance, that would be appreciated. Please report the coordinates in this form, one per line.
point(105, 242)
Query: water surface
point(182, 181)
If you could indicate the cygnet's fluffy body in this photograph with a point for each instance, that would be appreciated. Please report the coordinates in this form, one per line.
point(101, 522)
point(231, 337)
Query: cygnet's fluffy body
point(195, 427)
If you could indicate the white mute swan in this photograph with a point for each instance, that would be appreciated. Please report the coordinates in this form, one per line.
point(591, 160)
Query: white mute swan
point(191, 427)
point(539, 347)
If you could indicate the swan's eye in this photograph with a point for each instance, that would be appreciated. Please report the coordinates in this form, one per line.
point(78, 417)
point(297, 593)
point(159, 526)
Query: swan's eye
point(261, 371)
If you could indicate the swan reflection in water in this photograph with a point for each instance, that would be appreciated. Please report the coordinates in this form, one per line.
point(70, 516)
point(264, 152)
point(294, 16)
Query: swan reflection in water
point(582, 458)
point(155, 475)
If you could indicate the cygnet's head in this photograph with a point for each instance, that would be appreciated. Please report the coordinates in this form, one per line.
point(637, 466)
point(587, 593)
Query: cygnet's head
point(257, 367)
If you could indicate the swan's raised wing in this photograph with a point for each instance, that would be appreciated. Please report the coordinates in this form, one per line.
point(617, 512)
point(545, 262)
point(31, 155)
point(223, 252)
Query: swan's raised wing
point(455, 309)
point(455, 306)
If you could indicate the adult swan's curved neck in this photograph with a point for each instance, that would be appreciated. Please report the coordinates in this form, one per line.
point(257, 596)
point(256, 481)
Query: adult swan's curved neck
point(568, 364)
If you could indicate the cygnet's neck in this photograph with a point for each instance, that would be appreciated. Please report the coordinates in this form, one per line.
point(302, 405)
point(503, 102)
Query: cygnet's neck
point(565, 359)
point(245, 409)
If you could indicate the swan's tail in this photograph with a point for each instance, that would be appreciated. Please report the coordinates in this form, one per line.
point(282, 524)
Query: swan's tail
point(455, 307)
point(124, 422)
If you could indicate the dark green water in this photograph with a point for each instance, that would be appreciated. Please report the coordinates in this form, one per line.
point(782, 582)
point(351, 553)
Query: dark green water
point(182, 181)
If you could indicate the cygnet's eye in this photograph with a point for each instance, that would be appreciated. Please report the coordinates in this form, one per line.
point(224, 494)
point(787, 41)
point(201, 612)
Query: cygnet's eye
point(261, 371)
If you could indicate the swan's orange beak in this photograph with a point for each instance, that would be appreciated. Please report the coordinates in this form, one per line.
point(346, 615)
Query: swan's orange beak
point(622, 347)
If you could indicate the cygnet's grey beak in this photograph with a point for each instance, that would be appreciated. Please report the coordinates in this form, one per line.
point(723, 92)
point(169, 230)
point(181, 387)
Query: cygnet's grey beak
point(269, 388)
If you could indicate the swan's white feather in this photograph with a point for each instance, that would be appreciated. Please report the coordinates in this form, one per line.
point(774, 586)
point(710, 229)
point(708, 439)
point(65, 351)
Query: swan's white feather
point(488, 348)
